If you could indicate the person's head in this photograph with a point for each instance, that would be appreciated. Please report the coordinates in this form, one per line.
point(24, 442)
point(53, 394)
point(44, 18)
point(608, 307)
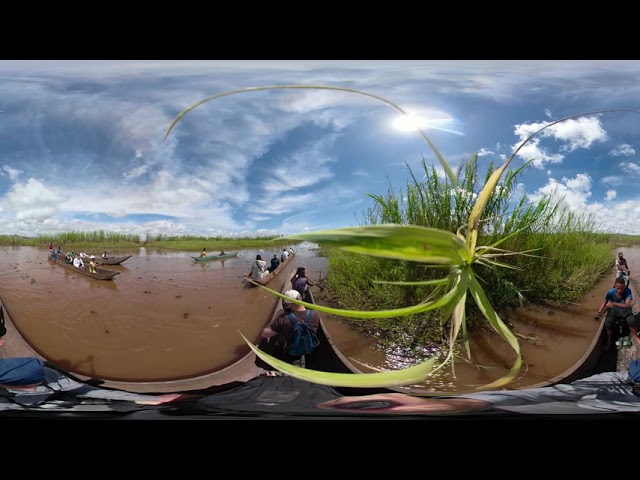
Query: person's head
point(301, 272)
point(619, 284)
point(258, 257)
point(294, 294)
point(620, 255)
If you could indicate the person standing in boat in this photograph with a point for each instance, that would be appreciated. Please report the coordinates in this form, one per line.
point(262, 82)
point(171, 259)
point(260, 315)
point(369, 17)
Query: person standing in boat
point(259, 268)
point(275, 263)
point(280, 327)
point(222, 252)
point(203, 253)
point(618, 302)
point(301, 283)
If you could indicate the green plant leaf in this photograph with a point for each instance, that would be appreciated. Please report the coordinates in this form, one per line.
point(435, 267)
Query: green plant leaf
point(402, 242)
point(450, 296)
point(398, 378)
point(498, 325)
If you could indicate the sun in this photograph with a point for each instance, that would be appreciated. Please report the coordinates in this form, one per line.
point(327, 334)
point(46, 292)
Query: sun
point(408, 123)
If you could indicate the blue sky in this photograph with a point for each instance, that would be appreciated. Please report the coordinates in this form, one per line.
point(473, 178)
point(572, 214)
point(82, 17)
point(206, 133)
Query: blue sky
point(81, 141)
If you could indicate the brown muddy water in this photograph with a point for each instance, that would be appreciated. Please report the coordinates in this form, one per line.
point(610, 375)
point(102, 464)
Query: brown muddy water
point(167, 317)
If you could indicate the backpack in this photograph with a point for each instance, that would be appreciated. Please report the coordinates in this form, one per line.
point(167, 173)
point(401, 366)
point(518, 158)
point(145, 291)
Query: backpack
point(304, 338)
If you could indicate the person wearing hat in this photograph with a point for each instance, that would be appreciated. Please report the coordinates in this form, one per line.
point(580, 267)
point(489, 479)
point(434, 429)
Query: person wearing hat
point(280, 331)
point(622, 269)
point(92, 264)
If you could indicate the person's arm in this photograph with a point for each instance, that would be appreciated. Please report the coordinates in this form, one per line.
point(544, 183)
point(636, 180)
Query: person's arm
point(601, 310)
point(274, 326)
point(314, 284)
point(268, 333)
point(624, 304)
point(603, 307)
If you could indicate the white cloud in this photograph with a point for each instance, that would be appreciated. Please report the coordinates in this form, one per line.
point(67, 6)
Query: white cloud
point(610, 195)
point(630, 167)
point(572, 193)
point(12, 173)
point(574, 133)
point(623, 150)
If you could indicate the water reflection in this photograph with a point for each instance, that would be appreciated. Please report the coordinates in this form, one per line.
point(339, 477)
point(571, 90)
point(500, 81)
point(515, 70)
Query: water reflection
point(164, 317)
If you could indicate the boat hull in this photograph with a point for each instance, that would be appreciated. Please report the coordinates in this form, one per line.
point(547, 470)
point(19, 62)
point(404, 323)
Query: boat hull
point(101, 273)
point(215, 257)
point(267, 278)
point(107, 261)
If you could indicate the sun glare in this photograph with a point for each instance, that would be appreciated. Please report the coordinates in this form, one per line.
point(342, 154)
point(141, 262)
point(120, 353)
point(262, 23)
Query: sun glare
point(408, 123)
point(425, 120)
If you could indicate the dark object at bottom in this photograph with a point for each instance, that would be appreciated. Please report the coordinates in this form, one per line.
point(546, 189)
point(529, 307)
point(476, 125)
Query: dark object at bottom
point(3, 328)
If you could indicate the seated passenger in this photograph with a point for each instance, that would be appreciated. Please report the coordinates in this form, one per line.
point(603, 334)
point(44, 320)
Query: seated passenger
point(258, 269)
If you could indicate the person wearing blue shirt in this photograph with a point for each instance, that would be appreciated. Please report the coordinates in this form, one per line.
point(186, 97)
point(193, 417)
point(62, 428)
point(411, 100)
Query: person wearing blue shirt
point(618, 302)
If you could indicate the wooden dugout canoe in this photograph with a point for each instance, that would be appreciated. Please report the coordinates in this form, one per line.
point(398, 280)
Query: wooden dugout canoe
point(101, 273)
point(267, 278)
point(110, 260)
point(215, 257)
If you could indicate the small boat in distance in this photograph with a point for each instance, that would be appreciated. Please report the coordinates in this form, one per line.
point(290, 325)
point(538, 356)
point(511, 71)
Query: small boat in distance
point(111, 260)
point(107, 261)
point(215, 257)
point(101, 273)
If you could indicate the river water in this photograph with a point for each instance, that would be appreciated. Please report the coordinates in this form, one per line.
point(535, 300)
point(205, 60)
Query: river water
point(167, 317)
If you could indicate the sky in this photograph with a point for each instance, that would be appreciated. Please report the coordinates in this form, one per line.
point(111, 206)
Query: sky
point(83, 147)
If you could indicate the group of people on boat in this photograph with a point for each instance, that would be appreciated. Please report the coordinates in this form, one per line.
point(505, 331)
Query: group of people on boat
point(77, 260)
point(259, 269)
point(204, 253)
point(617, 305)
